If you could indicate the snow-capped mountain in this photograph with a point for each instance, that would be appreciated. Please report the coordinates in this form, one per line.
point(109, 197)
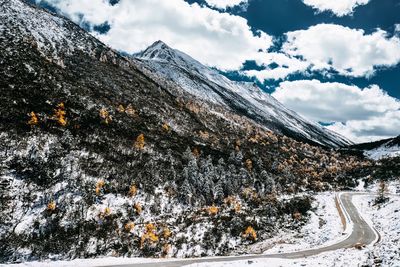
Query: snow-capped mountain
point(98, 158)
point(242, 97)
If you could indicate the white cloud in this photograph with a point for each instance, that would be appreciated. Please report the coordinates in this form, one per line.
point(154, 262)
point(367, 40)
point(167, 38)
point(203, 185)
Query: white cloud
point(285, 65)
point(368, 113)
point(338, 7)
point(349, 51)
point(223, 4)
point(397, 28)
point(214, 38)
point(376, 128)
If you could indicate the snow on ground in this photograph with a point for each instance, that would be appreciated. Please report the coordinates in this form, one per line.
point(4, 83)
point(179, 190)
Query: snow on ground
point(383, 152)
point(345, 257)
point(81, 262)
point(323, 228)
point(386, 220)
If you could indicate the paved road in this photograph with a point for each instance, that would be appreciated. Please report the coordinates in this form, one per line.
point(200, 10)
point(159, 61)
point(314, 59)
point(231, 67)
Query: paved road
point(361, 233)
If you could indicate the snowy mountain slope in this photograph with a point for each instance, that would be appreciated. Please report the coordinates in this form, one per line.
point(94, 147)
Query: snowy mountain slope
point(242, 97)
point(391, 148)
point(386, 148)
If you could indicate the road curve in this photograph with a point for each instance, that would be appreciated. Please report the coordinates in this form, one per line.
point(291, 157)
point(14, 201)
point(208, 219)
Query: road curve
point(361, 232)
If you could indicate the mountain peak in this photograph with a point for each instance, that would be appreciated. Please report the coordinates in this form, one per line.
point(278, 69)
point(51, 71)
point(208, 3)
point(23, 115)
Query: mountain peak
point(158, 51)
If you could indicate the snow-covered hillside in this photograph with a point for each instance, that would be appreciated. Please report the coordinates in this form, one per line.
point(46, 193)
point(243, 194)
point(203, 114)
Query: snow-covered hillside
point(242, 97)
point(390, 148)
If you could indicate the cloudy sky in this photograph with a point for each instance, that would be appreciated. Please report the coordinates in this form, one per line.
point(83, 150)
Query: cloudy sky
point(333, 61)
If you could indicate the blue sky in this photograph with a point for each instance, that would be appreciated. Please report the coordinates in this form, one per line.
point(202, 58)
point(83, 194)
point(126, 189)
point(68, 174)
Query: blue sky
point(333, 61)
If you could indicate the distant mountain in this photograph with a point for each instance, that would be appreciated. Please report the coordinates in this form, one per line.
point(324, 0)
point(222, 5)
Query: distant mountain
point(380, 149)
point(102, 155)
point(243, 98)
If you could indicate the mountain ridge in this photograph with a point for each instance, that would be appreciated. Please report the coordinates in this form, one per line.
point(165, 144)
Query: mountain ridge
point(244, 97)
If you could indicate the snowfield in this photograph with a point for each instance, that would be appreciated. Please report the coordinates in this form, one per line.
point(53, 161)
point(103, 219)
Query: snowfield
point(323, 228)
point(383, 152)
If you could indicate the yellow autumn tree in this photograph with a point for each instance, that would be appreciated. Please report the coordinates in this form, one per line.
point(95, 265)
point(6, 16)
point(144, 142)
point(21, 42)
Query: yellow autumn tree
point(105, 116)
point(99, 185)
point(249, 165)
point(166, 127)
point(121, 109)
point(212, 210)
point(129, 226)
point(51, 206)
point(33, 119)
point(140, 142)
point(196, 152)
point(149, 235)
point(138, 208)
point(60, 113)
point(132, 191)
point(250, 234)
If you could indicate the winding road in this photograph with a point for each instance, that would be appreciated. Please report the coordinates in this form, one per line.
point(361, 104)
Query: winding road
point(358, 231)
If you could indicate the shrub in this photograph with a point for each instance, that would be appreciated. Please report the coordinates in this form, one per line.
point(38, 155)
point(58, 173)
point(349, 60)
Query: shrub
point(204, 135)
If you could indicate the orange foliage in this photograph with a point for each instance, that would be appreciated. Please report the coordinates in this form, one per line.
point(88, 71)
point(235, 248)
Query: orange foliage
point(51, 206)
point(99, 185)
point(132, 191)
point(165, 250)
point(250, 234)
point(204, 135)
point(249, 165)
point(130, 111)
point(121, 109)
point(60, 113)
point(140, 142)
point(297, 216)
point(196, 152)
point(103, 113)
point(33, 119)
point(129, 226)
point(149, 235)
point(165, 127)
point(212, 210)
point(138, 208)
point(166, 233)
